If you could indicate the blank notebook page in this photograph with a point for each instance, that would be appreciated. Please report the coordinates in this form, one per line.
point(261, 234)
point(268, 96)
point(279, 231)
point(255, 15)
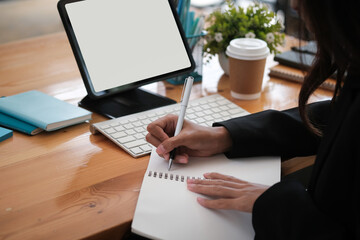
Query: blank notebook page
point(167, 210)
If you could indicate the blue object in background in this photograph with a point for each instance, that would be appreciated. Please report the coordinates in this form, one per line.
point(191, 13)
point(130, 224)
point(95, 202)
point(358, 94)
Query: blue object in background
point(5, 134)
point(18, 125)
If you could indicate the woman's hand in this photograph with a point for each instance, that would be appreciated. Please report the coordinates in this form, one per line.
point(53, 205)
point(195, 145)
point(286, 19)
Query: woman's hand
point(193, 140)
point(227, 192)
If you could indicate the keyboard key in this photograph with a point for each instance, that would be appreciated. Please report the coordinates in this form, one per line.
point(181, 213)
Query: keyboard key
point(236, 111)
point(133, 120)
point(224, 108)
point(160, 113)
point(124, 121)
point(225, 114)
point(105, 126)
point(110, 130)
point(200, 120)
point(198, 109)
point(126, 139)
point(146, 122)
point(136, 150)
point(119, 128)
point(137, 124)
point(114, 124)
point(208, 111)
point(139, 136)
point(139, 129)
point(223, 102)
point(118, 135)
point(213, 104)
point(146, 147)
point(206, 106)
point(128, 126)
point(194, 104)
point(191, 116)
point(135, 143)
point(190, 110)
point(130, 132)
point(200, 114)
point(208, 118)
point(151, 115)
point(217, 116)
point(216, 109)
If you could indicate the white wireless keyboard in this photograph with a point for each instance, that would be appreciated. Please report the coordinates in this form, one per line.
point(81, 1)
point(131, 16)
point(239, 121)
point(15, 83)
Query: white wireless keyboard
point(128, 132)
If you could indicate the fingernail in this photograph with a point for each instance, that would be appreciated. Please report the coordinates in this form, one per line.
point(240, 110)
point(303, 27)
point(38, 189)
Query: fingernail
point(190, 186)
point(160, 150)
point(200, 200)
point(182, 159)
point(190, 180)
point(167, 156)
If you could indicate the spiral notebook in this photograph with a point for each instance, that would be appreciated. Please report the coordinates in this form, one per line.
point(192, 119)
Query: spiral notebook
point(167, 210)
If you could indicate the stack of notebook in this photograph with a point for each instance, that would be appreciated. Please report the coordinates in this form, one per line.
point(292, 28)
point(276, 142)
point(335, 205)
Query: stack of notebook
point(32, 112)
point(293, 65)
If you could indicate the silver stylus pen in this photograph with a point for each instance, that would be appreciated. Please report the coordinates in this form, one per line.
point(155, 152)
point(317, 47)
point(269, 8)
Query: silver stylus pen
point(184, 102)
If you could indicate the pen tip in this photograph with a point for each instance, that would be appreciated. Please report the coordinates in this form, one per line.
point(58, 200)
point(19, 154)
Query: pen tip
point(170, 163)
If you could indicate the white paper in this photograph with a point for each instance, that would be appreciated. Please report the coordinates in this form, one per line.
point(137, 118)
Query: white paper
point(167, 210)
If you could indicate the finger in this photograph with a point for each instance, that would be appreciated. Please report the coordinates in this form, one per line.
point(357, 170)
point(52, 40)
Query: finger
point(169, 144)
point(221, 203)
point(152, 140)
point(214, 190)
point(182, 158)
point(216, 182)
point(167, 124)
point(215, 175)
point(157, 130)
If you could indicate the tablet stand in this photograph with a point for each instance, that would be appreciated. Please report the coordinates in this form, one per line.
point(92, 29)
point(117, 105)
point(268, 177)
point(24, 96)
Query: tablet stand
point(125, 103)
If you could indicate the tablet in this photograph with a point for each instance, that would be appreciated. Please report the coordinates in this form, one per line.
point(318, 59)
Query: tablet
point(121, 44)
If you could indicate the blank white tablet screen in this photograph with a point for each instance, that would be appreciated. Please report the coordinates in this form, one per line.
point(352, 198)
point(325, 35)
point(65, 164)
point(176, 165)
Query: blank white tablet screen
point(125, 41)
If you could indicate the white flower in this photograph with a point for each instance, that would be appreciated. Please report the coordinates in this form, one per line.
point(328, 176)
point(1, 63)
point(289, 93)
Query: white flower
point(250, 35)
point(218, 37)
point(270, 37)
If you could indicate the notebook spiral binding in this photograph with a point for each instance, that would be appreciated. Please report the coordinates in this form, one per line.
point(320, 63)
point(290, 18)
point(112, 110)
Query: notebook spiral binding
point(170, 176)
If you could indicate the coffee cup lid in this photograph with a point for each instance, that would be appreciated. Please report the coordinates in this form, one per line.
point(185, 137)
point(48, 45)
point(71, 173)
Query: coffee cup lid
point(247, 49)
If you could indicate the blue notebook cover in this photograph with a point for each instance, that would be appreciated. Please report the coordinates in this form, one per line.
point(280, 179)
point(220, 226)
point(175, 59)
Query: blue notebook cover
point(15, 124)
point(5, 134)
point(42, 110)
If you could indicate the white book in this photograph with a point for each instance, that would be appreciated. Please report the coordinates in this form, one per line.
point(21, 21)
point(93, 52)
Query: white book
point(166, 209)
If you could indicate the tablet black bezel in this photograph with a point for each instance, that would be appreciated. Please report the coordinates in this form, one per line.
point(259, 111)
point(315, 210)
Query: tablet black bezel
point(82, 66)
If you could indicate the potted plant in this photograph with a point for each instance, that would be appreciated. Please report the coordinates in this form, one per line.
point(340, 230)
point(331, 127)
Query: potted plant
point(256, 21)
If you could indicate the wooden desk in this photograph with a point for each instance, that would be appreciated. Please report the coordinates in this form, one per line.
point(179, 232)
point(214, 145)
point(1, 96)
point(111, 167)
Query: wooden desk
point(70, 184)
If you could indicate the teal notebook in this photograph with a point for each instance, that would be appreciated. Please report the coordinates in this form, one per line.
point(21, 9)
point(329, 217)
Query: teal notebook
point(5, 134)
point(43, 111)
point(16, 124)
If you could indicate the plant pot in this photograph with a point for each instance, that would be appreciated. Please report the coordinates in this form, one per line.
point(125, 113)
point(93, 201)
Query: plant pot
point(224, 62)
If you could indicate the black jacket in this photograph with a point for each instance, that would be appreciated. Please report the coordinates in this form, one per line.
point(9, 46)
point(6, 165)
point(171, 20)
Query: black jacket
point(329, 207)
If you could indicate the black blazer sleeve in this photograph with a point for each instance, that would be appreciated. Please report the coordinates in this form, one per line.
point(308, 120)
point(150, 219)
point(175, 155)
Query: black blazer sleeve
point(276, 133)
point(287, 211)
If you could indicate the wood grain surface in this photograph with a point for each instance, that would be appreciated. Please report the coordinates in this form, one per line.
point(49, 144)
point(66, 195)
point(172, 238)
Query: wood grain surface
point(69, 184)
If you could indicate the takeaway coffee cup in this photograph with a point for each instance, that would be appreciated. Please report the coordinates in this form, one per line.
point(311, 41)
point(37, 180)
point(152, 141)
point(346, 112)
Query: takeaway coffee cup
point(247, 58)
